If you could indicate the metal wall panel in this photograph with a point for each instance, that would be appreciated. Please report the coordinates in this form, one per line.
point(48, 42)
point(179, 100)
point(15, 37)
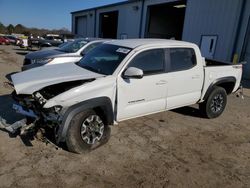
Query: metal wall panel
point(213, 17)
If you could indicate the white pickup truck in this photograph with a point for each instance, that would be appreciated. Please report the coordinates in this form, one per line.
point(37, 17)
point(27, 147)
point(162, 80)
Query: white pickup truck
point(120, 80)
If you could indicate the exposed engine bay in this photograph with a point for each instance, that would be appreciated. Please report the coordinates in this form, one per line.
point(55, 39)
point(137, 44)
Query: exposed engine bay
point(31, 106)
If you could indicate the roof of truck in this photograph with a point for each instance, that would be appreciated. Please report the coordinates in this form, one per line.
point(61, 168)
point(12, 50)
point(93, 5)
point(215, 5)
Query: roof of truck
point(134, 43)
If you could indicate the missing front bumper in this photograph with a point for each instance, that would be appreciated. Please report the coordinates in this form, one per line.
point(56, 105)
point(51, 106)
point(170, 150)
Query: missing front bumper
point(28, 113)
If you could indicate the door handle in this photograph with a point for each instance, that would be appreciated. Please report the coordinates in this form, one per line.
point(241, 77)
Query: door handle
point(195, 76)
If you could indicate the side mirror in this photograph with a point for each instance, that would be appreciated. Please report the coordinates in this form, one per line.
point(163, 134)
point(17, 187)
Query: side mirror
point(133, 72)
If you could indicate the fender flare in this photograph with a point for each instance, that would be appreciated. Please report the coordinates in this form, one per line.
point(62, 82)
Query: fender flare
point(218, 82)
point(101, 102)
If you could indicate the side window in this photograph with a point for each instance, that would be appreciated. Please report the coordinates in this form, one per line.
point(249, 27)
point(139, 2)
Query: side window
point(151, 61)
point(182, 59)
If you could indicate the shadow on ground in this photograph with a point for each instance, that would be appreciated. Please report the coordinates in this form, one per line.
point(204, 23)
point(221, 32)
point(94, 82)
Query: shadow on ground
point(189, 111)
point(22, 53)
point(10, 116)
point(6, 111)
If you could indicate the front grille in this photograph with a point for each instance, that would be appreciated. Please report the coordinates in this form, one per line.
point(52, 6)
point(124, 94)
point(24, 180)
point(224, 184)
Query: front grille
point(26, 61)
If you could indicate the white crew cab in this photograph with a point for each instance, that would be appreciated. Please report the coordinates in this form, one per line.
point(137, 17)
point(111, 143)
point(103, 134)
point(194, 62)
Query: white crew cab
point(120, 80)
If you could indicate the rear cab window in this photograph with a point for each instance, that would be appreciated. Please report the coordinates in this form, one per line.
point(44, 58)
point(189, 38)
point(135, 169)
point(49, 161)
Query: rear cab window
point(181, 59)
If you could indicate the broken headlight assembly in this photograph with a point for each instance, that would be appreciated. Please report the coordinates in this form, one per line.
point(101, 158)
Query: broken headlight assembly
point(38, 97)
point(58, 108)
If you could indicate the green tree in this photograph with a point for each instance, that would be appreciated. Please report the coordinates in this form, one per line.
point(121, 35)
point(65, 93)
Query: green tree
point(19, 28)
point(10, 29)
point(2, 28)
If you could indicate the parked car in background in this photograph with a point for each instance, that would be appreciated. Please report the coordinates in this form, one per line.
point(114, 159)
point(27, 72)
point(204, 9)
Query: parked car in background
point(47, 41)
point(71, 52)
point(120, 80)
point(4, 40)
point(13, 40)
point(53, 47)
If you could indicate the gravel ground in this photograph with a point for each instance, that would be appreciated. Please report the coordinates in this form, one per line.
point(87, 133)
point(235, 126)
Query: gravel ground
point(172, 149)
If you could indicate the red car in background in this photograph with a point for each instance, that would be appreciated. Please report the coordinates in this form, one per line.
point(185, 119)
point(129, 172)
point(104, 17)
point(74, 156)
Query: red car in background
point(4, 40)
point(12, 39)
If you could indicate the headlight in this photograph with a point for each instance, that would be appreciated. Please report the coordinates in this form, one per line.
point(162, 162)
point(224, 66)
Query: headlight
point(57, 108)
point(39, 98)
point(42, 61)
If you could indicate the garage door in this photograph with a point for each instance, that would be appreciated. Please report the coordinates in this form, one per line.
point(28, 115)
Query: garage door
point(246, 54)
point(81, 26)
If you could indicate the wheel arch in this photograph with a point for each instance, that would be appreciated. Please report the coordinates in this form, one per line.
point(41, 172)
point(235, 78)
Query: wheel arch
point(228, 83)
point(101, 105)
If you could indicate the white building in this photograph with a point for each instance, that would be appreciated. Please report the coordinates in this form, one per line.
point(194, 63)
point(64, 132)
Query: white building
point(220, 27)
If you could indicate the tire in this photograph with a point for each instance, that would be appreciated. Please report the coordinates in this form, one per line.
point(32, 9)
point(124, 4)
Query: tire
point(79, 138)
point(215, 104)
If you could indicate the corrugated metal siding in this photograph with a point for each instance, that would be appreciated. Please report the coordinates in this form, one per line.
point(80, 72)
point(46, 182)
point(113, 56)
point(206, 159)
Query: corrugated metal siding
point(213, 17)
point(243, 30)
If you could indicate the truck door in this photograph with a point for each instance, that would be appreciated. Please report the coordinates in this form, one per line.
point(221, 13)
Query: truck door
point(185, 77)
point(137, 97)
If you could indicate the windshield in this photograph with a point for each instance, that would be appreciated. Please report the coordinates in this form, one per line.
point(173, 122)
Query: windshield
point(73, 46)
point(64, 44)
point(104, 59)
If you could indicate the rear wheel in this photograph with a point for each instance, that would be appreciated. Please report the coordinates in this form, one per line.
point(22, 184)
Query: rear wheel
point(215, 104)
point(86, 132)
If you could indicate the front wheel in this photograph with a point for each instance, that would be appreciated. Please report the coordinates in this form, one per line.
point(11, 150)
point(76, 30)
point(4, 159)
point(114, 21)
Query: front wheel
point(215, 104)
point(86, 132)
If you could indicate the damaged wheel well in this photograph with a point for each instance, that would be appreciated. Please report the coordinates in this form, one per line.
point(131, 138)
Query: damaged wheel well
point(102, 113)
point(101, 105)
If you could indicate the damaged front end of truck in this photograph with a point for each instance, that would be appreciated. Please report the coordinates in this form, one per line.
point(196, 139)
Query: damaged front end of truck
point(33, 90)
point(32, 107)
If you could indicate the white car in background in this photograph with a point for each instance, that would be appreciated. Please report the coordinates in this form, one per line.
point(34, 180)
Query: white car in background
point(69, 53)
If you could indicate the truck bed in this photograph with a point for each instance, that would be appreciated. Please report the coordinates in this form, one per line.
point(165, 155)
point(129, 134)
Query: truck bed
point(215, 70)
point(211, 62)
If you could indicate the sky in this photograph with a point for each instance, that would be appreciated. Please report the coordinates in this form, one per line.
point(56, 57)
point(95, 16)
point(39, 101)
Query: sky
point(48, 14)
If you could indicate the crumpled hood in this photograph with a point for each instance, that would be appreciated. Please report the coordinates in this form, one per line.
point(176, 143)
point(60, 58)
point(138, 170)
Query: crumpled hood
point(43, 54)
point(28, 82)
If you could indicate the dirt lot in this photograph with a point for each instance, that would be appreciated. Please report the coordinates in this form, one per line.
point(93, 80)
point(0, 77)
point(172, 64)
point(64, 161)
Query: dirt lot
point(172, 149)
